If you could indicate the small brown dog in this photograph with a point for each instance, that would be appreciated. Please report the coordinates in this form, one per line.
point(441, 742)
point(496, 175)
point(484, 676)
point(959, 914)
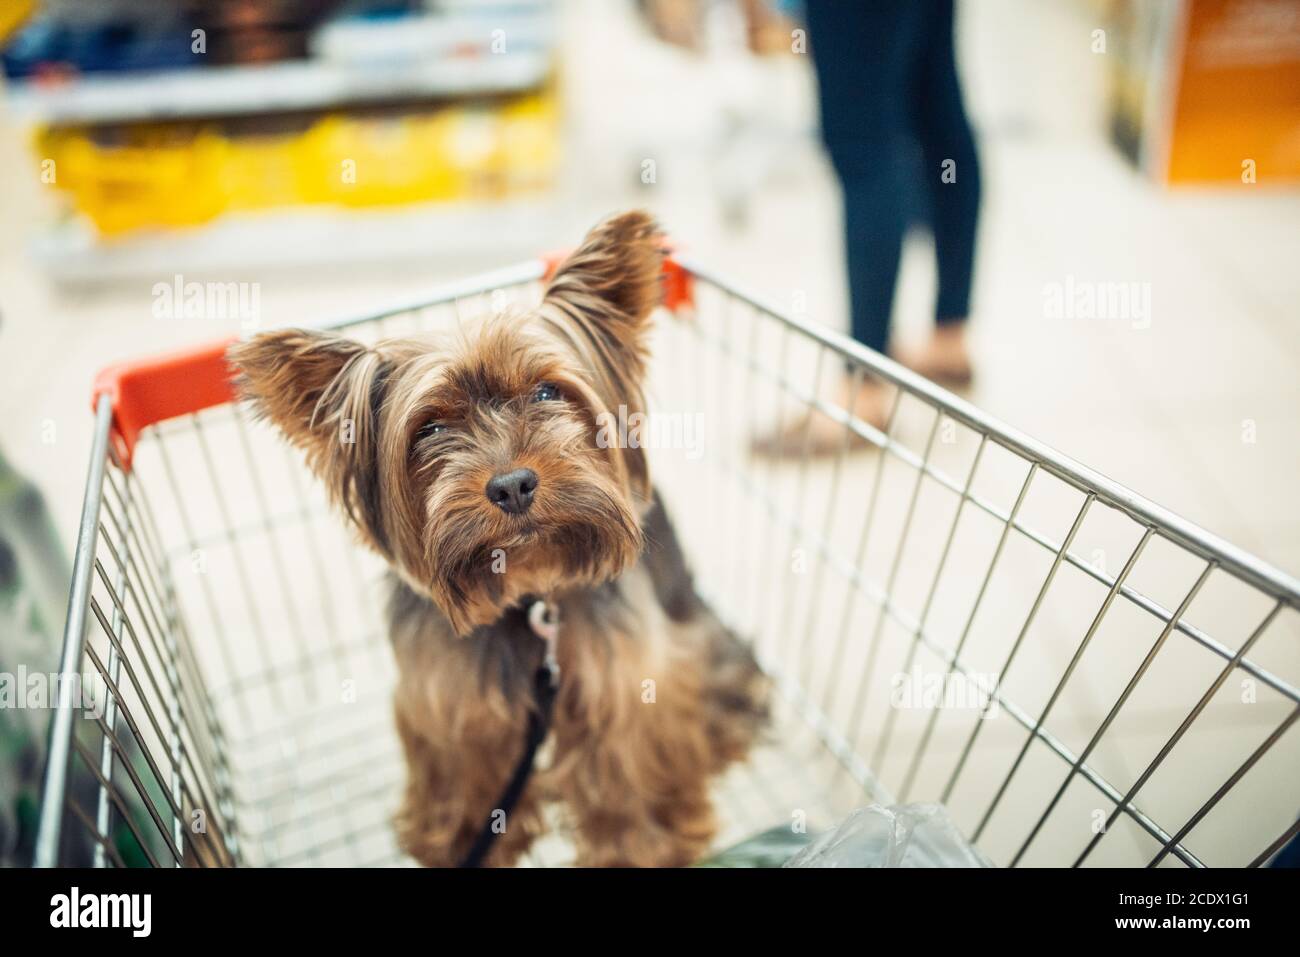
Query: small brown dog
point(475, 468)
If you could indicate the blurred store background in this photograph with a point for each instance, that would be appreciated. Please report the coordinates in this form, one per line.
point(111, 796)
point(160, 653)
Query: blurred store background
point(333, 155)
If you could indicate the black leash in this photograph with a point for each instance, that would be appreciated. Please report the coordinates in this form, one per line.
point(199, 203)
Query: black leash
point(544, 619)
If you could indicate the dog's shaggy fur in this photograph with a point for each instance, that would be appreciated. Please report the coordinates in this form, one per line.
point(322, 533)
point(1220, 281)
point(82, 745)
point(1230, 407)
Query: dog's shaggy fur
point(656, 695)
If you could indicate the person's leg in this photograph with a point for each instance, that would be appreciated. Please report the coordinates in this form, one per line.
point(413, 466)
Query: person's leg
point(952, 177)
point(951, 166)
point(864, 54)
point(874, 223)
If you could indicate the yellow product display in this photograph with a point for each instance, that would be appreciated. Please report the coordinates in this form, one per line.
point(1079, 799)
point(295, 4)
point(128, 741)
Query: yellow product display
point(153, 178)
point(373, 162)
point(458, 153)
point(171, 175)
point(258, 172)
point(530, 143)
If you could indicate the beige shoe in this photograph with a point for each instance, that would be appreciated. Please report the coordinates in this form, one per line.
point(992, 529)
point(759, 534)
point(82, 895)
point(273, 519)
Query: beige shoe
point(816, 434)
point(943, 358)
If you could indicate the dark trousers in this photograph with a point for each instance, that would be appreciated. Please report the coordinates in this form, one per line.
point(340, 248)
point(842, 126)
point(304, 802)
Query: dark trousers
point(898, 136)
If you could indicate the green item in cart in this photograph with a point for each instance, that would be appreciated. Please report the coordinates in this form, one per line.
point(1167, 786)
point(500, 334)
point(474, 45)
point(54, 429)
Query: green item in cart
point(770, 848)
point(33, 579)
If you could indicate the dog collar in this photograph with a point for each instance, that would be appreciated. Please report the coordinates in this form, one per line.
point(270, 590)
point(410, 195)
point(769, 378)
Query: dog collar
point(544, 620)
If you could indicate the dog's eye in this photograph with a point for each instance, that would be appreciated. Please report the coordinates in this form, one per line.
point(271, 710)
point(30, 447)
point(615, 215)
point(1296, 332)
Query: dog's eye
point(546, 392)
point(427, 430)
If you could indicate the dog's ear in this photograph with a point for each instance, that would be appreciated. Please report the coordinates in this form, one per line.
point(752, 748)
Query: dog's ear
point(325, 393)
point(611, 284)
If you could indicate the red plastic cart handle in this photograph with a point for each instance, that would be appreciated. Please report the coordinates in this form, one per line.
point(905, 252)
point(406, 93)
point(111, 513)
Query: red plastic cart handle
point(147, 391)
point(157, 388)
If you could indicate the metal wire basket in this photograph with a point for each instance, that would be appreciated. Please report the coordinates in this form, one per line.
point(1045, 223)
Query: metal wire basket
point(958, 614)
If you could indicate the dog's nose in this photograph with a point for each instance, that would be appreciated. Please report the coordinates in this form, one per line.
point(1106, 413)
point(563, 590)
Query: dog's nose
point(512, 492)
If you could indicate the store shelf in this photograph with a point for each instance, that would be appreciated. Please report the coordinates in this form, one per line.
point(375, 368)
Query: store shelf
point(276, 87)
point(472, 233)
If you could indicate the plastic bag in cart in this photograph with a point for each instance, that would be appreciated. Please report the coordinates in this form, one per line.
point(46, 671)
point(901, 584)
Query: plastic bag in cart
point(910, 835)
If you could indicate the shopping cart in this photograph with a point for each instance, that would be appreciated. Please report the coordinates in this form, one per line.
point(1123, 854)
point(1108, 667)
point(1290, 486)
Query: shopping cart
point(959, 614)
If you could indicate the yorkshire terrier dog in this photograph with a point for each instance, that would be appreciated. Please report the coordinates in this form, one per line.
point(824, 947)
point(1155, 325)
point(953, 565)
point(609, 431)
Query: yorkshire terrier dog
point(474, 465)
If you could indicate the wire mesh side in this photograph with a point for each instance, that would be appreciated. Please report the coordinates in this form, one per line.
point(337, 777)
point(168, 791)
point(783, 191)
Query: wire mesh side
point(963, 615)
point(137, 771)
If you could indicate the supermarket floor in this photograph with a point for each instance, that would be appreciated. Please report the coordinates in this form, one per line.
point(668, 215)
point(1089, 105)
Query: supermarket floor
point(1195, 408)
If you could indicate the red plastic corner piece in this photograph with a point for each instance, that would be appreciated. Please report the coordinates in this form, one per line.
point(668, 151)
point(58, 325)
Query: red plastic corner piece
point(679, 284)
point(155, 389)
point(552, 262)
